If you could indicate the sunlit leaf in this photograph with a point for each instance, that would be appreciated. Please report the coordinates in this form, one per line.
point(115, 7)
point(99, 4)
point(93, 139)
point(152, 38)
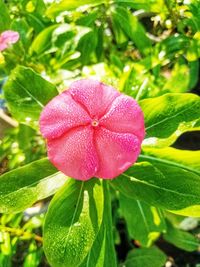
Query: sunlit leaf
point(73, 221)
point(42, 42)
point(185, 159)
point(64, 5)
point(98, 255)
point(4, 17)
point(147, 257)
point(164, 185)
point(22, 187)
point(165, 142)
point(181, 239)
point(144, 222)
point(164, 114)
point(26, 93)
point(132, 28)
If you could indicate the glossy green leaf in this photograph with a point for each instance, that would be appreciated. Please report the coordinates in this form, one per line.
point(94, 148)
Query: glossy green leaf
point(149, 6)
point(35, 21)
point(26, 93)
point(87, 44)
point(64, 5)
point(119, 34)
point(88, 19)
point(6, 249)
point(22, 27)
point(4, 17)
point(147, 257)
point(35, 6)
point(22, 187)
point(33, 256)
point(194, 73)
point(185, 159)
point(98, 255)
point(163, 114)
point(181, 160)
point(144, 222)
point(42, 42)
point(72, 222)
point(181, 239)
point(179, 80)
point(154, 142)
point(162, 185)
point(132, 28)
point(197, 124)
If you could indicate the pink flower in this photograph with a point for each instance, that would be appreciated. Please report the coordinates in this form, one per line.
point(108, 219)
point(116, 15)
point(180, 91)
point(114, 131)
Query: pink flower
point(7, 38)
point(92, 130)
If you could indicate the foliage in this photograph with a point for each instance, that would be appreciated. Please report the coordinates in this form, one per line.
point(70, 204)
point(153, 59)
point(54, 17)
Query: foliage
point(148, 50)
point(21, 232)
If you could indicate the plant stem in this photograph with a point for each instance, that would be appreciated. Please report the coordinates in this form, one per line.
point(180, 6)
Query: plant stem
point(21, 233)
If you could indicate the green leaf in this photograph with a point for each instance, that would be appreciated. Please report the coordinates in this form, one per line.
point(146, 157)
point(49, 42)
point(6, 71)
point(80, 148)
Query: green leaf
point(87, 44)
point(166, 186)
point(64, 5)
point(166, 142)
point(194, 73)
point(22, 27)
point(132, 28)
point(33, 255)
point(186, 159)
point(88, 19)
point(157, 6)
point(119, 34)
point(72, 222)
point(35, 21)
point(5, 17)
point(42, 42)
point(179, 80)
point(197, 124)
point(181, 239)
point(147, 257)
point(144, 222)
point(21, 187)
point(6, 249)
point(98, 255)
point(182, 160)
point(35, 6)
point(163, 114)
point(26, 93)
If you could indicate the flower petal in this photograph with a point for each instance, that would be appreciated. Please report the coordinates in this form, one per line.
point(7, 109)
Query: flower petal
point(9, 37)
point(3, 46)
point(95, 96)
point(61, 114)
point(124, 116)
point(74, 154)
point(116, 152)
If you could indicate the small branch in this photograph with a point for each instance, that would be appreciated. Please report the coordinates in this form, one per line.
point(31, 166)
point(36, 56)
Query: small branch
point(142, 87)
point(143, 14)
point(20, 232)
point(8, 119)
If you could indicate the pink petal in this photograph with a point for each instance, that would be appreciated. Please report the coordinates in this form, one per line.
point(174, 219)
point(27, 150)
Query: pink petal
point(3, 46)
point(124, 116)
point(74, 154)
point(9, 37)
point(116, 152)
point(95, 96)
point(61, 114)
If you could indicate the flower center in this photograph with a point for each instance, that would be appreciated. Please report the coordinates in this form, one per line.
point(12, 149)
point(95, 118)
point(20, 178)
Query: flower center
point(95, 123)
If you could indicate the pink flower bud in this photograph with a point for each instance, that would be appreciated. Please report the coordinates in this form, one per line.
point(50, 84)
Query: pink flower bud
point(7, 38)
point(92, 130)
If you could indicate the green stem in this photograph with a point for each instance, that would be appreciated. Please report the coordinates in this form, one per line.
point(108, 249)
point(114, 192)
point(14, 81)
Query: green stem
point(108, 218)
point(21, 233)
